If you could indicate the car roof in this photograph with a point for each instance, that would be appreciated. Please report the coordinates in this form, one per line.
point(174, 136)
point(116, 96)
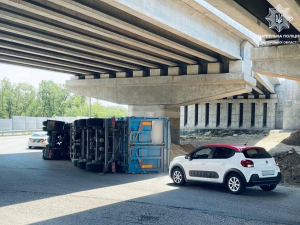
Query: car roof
point(39, 133)
point(235, 147)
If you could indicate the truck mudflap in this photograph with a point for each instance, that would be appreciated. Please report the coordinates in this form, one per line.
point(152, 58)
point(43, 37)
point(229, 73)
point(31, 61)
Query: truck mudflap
point(52, 153)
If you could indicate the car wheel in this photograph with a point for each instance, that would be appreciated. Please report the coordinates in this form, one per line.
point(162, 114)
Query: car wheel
point(235, 184)
point(178, 177)
point(268, 187)
point(30, 147)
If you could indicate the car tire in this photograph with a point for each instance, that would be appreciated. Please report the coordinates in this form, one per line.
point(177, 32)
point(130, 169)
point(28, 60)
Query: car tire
point(30, 147)
point(178, 177)
point(268, 187)
point(235, 184)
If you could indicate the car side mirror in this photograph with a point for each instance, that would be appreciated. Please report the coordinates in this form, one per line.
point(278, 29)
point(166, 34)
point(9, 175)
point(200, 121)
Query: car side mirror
point(189, 157)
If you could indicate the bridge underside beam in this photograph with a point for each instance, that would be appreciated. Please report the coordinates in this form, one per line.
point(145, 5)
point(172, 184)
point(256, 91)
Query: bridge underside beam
point(169, 90)
point(277, 61)
point(242, 16)
point(25, 62)
point(175, 17)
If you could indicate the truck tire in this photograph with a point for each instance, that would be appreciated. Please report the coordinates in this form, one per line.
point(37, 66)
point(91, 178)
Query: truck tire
point(96, 167)
point(45, 123)
point(81, 164)
point(75, 123)
point(45, 129)
point(75, 162)
point(82, 123)
point(94, 122)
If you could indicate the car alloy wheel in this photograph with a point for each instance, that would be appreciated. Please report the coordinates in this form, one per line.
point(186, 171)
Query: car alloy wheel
point(234, 184)
point(177, 176)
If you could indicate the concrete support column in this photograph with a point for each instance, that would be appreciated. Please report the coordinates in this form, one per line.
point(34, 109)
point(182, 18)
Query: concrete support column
point(224, 116)
point(235, 116)
point(259, 112)
point(271, 115)
point(247, 115)
point(212, 115)
point(201, 122)
point(171, 111)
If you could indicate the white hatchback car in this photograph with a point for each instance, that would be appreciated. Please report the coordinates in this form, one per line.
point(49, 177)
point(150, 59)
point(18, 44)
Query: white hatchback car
point(38, 139)
point(236, 166)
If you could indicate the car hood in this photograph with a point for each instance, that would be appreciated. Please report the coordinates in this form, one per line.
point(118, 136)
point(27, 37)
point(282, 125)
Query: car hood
point(179, 158)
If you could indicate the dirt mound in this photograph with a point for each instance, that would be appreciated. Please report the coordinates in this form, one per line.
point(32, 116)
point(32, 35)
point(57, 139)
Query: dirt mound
point(293, 139)
point(289, 163)
point(177, 150)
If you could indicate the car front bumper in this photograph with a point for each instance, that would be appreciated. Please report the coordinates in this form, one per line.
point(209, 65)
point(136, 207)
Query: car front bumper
point(256, 181)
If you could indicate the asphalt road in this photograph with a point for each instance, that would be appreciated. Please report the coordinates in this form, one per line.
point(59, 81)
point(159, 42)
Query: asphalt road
point(34, 191)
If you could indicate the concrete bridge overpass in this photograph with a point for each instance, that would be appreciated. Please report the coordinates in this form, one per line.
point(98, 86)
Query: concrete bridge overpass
point(153, 55)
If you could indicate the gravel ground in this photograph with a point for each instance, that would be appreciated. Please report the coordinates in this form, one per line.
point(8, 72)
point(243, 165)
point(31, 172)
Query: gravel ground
point(34, 191)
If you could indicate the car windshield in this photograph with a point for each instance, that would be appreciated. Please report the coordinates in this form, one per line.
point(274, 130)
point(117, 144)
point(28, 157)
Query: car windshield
point(256, 153)
point(38, 135)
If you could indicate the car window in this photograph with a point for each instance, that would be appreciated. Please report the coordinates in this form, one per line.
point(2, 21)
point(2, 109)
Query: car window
point(256, 153)
point(222, 153)
point(38, 135)
point(202, 153)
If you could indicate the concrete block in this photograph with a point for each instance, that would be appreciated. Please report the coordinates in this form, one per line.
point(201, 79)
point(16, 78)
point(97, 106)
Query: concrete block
point(156, 72)
point(74, 78)
point(236, 66)
point(262, 96)
point(174, 71)
point(90, 77)
point(193, 69)
point(240, 97)
point(122, 74)
point(139, 73)
point(273, 96)
point(214, 68)
point(250, 96)
point(105, 76)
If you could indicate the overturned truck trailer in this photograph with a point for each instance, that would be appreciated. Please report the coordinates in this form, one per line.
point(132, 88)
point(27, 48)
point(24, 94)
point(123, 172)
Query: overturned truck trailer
point(129, 144)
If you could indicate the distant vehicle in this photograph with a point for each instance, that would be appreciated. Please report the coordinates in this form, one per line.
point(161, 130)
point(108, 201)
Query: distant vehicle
point(236, 166)
point(38, 139)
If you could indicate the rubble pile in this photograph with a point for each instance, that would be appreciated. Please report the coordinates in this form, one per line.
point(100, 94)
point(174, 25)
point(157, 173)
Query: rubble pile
point(293, 139)
point(178, 150)
point(289, 163)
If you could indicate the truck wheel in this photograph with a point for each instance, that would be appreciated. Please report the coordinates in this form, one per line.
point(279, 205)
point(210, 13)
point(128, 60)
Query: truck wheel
point(96, 167)
point(75, 162)
point(94, 122)
point(45, 129)
point(45, 123)
point(81, 164)
point(235, 184)
point(178, 177)
point(82, 122)
point(268, 187)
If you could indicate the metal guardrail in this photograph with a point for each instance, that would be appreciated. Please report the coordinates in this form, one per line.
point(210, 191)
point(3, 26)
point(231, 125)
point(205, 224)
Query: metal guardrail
point(13, 132)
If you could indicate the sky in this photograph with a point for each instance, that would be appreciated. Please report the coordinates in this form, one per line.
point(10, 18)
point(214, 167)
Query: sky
point(21, 74)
